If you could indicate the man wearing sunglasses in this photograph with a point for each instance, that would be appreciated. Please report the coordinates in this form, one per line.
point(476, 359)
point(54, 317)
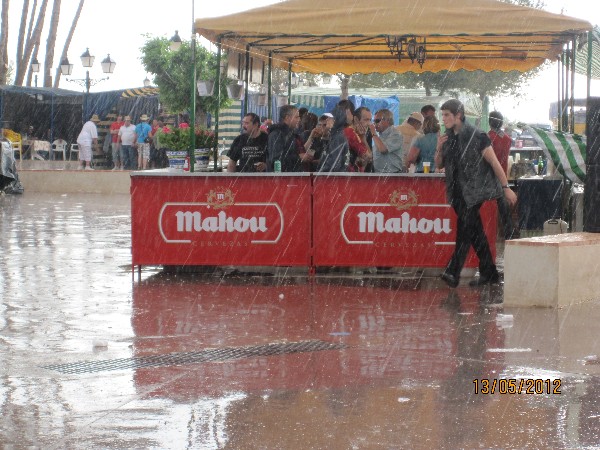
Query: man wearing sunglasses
point(387, 143)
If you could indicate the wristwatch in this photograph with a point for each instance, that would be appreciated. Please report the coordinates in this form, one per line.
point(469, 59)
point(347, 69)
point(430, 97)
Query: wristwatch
point(506, 186)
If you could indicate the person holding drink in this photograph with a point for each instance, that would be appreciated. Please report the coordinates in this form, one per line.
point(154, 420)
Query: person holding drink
point(423, 147)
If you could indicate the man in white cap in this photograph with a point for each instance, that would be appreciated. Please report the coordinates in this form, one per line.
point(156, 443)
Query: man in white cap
point(88, 138)
point(410, 130)
point(142, 131)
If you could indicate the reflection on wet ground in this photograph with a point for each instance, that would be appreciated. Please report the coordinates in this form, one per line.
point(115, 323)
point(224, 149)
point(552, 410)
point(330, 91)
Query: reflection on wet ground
point(269, 359)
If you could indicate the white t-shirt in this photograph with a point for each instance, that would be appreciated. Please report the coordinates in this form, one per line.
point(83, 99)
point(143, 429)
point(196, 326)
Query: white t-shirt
point(127, 134)
point(89, 132)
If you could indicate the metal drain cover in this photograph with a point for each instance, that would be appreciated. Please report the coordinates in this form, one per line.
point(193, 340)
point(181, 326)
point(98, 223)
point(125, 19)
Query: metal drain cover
point(182, 358)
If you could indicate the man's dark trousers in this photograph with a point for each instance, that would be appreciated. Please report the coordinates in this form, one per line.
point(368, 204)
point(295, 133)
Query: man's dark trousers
point(469, 232)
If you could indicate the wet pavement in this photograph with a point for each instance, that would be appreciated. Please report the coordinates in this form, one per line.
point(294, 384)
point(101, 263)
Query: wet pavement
point(93, 357)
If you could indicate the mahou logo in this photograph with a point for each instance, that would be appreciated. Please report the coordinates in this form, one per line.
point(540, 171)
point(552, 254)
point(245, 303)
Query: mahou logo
point(364, 223)
point(221, 217)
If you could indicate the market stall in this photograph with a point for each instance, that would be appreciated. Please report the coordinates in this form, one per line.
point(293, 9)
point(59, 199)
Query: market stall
point(312, 36)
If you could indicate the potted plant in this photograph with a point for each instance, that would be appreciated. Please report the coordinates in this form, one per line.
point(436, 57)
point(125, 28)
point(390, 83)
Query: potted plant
point(177, 141)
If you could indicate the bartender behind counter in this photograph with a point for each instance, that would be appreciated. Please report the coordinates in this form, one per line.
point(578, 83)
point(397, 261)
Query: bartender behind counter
point(248, 152)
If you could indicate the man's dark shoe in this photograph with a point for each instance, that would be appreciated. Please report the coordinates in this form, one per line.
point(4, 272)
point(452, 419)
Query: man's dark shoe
point(450, 279)
point(483, 280)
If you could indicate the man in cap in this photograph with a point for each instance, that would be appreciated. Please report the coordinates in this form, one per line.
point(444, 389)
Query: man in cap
point(88, 138)
point(127, 142)
point(410, 129)
point(473, 176)
point(142, 132)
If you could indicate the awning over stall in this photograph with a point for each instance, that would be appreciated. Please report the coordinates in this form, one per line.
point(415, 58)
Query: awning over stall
point(329, 37)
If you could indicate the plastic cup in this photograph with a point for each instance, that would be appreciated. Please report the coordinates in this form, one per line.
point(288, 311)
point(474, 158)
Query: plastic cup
point(426, 166)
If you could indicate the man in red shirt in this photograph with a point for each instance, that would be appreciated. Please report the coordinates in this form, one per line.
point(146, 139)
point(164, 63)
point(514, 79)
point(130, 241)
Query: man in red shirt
point(115, 145)
point(501, 143)
point(356, 134)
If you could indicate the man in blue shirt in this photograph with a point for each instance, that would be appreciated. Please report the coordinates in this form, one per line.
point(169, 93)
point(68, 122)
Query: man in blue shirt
point(387, 143)
point(142, 132)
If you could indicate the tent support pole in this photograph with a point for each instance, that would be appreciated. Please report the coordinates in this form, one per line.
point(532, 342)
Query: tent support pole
point(191, 152)
point(247, 79)
point(565, 96)
point(558, 93)
point(589, 63)
point(269, 88)
point(573, 53)
point(218, 88)
point(289, 81)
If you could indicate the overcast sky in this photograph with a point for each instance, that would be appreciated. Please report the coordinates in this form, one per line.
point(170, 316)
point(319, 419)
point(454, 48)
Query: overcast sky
point(118, 27)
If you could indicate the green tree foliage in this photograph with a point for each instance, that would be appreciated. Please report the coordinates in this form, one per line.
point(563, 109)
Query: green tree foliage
point(173, 75)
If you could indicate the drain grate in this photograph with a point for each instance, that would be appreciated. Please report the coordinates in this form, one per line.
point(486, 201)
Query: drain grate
point(182, 358)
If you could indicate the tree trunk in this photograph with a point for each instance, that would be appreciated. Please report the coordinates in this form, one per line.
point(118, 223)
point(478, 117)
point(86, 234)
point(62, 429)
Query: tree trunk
point(344, 86)
point(23, 62)
point(22, 36)
point(36, 49)
point(4, 42)
point(427, 86)
point(68, 42)
point(51, 43)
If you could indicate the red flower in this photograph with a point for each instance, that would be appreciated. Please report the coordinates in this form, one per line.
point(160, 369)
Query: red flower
point(183, 125)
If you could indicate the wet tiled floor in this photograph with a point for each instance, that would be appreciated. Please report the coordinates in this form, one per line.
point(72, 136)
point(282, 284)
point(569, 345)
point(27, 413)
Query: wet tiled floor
point(269, 359)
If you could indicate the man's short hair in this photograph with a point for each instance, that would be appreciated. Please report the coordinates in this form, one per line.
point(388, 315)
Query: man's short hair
point(302, 111)
point(358, 111)
point(496, 119)
point(387, 115)
point(253, 118)
point(455, 106)
point(425, 109)
point(285, 111)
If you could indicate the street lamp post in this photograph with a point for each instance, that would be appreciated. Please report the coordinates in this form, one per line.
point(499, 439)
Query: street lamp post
point(87, 60)
point(35, 68)
point(174, 45)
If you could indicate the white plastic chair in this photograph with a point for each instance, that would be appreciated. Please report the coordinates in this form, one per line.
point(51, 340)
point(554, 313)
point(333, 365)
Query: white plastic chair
point(17, 147)
point(59, 146)
point(74, 149)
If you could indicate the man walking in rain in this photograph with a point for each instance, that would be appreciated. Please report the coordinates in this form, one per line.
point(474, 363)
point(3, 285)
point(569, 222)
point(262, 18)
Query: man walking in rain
point(473, 175)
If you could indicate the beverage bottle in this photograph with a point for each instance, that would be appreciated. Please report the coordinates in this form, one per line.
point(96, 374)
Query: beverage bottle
point(277, 166)
point(540, 167)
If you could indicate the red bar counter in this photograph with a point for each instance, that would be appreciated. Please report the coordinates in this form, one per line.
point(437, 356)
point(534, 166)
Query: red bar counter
point(400, 220)
point(200, 218)
point(294, 219)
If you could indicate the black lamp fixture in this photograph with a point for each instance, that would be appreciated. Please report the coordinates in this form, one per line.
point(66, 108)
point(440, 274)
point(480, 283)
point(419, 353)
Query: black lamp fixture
point(87, 60)
point(175, 42)
point(409, 45)
point(66, 68)
point(411, 49)
point(108, 64)
point(35, 68)
point(421, 53)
